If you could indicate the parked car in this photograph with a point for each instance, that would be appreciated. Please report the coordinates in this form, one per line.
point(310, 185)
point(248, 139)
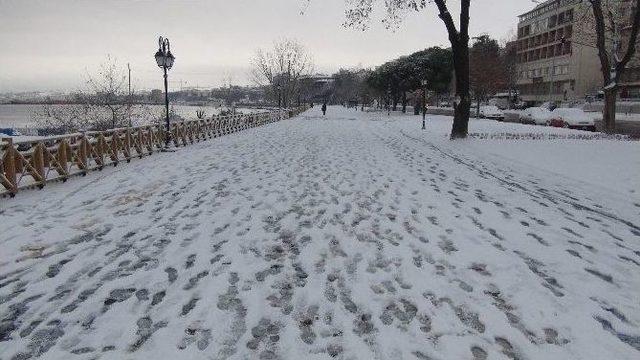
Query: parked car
point(536, 116)
point(557, 121)
point(551, 105)
point(9, 132)
point(520, 105)
point(491, 112)
point(572, 118)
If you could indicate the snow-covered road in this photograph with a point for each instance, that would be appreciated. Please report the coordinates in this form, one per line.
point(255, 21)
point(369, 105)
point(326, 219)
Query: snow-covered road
point(352, 237)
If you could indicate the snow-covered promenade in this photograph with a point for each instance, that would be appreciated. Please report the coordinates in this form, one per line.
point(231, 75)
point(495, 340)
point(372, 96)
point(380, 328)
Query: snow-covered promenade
point(354, 236)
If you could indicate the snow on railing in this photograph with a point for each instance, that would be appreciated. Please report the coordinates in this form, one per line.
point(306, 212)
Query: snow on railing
point(34, 163)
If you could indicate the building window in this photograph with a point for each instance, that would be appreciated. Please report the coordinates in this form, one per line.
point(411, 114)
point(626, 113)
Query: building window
point(568, 31)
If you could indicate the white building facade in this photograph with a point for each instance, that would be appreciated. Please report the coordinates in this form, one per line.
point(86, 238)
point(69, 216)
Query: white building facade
point(555, 62)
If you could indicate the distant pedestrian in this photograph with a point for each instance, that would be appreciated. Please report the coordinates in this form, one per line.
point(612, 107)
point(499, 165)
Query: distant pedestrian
point(324, 109)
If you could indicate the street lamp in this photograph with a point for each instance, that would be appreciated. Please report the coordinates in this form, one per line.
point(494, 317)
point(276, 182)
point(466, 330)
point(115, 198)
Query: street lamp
point(279, 90)
point(165, 60)
point(424, 84)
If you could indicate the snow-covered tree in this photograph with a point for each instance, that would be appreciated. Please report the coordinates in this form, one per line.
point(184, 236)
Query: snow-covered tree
point(105, 103)
point(617, 23)
point(488, 72)
point(359, 12)
point(282, 68)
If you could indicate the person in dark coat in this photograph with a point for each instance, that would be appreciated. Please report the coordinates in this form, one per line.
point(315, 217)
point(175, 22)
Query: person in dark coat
point(324, 109)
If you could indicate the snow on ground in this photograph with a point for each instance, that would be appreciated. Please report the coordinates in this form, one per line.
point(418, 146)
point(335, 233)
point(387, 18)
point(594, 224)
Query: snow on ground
point(355, 236)
point(614, 165)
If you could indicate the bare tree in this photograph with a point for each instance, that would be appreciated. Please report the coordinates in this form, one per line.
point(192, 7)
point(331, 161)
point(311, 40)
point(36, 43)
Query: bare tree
point(359, 11)
point(105, 103)
point(282, 68)
point(509, 56)
point(227, 83)
point(610, 21)
point(63, 118)
point(108, 93)
point(487, 71)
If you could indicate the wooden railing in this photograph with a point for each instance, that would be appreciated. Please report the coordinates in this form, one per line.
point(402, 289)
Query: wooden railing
point(34, 163)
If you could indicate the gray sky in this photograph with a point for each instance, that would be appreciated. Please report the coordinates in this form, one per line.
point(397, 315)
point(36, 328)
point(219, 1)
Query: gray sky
point(52, 44)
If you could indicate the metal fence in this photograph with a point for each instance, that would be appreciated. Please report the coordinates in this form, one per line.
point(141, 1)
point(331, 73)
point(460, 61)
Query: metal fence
point(34, 163)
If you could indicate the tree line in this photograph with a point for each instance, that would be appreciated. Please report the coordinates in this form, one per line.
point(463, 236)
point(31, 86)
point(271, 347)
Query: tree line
point(611, 19)
point(491, 69)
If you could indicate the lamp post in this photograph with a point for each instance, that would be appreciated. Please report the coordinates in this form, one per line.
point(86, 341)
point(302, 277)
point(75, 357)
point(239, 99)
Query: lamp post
point(279, 90)
point(424, 103)
point(165, 60)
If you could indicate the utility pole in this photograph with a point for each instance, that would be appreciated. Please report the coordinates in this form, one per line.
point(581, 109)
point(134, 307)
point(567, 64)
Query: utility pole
point(129, 102)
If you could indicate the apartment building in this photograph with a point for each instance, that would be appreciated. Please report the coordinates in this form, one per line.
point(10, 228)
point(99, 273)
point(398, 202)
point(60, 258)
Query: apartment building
point(630, 81)
point(555, 61)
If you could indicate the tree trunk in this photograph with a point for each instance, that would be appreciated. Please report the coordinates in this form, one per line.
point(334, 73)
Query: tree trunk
point(404, 102)
point(478, 108)
point(609, 111)
point(462, 106)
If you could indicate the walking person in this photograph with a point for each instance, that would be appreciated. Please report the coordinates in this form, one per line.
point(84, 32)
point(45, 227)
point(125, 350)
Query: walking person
point(324, 109)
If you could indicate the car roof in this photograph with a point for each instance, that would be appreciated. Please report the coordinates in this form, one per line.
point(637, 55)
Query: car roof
point(568, 110)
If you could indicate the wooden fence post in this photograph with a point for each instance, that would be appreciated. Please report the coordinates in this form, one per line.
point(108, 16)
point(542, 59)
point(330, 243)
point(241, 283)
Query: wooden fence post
point(126, 146)
point(38, 164)
point(9, 175)
point(62, 158)
point(99, 146)
point(82, 152)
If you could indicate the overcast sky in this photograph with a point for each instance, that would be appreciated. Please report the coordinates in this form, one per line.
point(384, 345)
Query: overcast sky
point(53, 44)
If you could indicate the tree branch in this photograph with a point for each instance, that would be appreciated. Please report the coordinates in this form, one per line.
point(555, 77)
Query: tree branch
point(600, 40)
point(445, 15)
point(464, 19)
point(631, 46)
